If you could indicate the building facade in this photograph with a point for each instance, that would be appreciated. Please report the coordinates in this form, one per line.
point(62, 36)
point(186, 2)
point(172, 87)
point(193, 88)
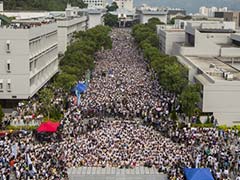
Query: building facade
point(145, 15)
point(96, 3)
point(67, 27)
point(95, 16)
point(211, 52)
point(209, 11)
point(168, 35)
point(29, 58)
point(229, 16)
point(1, 6)
point(125, 4)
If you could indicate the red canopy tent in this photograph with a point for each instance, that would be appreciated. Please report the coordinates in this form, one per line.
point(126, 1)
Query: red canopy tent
point(48, 126)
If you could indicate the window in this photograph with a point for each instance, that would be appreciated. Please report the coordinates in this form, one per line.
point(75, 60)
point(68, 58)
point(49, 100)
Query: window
point(31, 66)
point(8, 46)
point(9, 85)
point(1, 85)
point(8, 66)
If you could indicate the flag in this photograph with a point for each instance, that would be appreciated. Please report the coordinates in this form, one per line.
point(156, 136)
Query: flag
point(14, 150)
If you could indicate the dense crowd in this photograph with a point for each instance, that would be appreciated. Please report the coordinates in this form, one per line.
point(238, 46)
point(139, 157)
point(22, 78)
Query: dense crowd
point(122, 87)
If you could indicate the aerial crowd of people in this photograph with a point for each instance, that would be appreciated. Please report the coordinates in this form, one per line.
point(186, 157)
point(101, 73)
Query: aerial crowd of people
point(122, 121)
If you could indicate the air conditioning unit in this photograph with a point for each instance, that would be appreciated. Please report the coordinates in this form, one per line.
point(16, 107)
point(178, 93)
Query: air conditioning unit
point(212, 65)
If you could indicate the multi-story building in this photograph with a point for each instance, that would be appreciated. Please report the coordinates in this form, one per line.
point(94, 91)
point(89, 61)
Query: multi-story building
point(211, 52)
point(29, 58)
point(146, 14)
point(96, 3)
point(71, 23)
point(172, 13)
point(125, 4)
point(168, 35)
point(67, 27)
point(95, 16)
point(229, 16)
point(126, 18)
point(209, 11)
point(1, 6)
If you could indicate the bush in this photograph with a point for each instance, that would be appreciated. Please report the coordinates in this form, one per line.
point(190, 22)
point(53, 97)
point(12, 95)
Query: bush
point(202, 125)
point(16, 128)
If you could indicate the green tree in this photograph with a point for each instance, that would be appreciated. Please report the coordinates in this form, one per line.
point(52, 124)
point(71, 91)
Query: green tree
point(65, 81)
point(189, 98)
point(45, 96)
point(111, 20)
point(153, 22)
point(113, 7)
point(173, 77)
point(79, 57)
point(49, 5)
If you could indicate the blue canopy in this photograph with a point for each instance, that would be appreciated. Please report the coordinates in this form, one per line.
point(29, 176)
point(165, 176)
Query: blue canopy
point(81, 87)
point(198, 174)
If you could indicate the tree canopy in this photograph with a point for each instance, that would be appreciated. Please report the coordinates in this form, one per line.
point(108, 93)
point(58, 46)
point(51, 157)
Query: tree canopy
point(171, 74)
point(112, 7)
point(79, 56)
point(189, 98)
point(49, 5)
point(111, 20)
point(45, 96)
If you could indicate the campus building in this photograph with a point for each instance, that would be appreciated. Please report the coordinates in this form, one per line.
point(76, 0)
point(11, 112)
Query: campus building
point(95, 16)
point(1, 6)
point(125, 4)
point(96, 3)
point(146, 14)
point(209, 11)
point(71, 23)
point(29, 58)
point(229, 16)
point(211, 52)
point(169, 34)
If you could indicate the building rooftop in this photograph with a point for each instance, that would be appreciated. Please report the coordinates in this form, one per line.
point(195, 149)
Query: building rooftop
point(174, 30)
point(215, 68)
point(205, 30)
point(28, 24)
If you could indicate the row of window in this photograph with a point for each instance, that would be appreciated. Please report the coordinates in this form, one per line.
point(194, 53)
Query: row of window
point(8, 85)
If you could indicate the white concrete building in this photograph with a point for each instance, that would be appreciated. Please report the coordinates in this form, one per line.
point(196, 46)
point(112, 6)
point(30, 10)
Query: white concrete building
point(168, 35)
point(94, 16)
point(125, 18)
point(145, 15)
point(125, 4)
point(211, 51)
point(220, 83)
point(208, 38)
point(1, 6)
point(67, 27)
point(209, 11)
point(29, 58)
point(96, 3)
point(71, 23)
